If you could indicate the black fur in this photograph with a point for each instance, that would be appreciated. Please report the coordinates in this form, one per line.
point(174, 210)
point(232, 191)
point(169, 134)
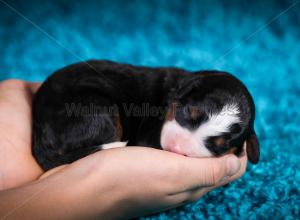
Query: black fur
point(66, 125)
point(209, 91)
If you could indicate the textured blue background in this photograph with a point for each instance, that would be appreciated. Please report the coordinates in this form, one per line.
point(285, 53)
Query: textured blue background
point(225, 35)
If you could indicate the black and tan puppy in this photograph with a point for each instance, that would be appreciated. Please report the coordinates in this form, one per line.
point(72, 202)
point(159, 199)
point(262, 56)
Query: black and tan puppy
point(98, 105)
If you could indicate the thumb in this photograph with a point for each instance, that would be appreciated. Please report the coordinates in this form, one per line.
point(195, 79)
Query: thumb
point(203, 172)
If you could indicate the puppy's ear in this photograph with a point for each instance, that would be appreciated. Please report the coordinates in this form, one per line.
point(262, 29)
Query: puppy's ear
point(253, 150)
point(187, 85)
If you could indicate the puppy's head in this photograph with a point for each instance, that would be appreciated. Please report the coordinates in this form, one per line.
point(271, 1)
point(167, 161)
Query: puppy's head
point(210, 114)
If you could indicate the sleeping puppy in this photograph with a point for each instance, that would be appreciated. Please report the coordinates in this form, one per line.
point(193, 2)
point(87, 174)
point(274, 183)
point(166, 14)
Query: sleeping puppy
point(97, 105)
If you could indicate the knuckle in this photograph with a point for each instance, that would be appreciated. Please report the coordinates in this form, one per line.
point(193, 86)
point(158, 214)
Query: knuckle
point(208, 175)
point(216, 172)
point(12, 83)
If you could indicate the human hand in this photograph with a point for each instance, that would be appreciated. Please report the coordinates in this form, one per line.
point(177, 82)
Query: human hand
point(17, 165)
point(129, 182)
point(141, 181)
point(133, 180)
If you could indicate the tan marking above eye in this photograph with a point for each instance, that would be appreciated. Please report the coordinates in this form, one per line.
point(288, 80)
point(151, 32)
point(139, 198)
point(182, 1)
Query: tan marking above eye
point(220, 141)
point(194, 112)
point(118, 126)
point(169, 115)
point(171, 112)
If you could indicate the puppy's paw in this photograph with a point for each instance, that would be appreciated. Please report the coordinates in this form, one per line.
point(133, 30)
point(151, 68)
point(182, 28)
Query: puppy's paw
point(113, 145)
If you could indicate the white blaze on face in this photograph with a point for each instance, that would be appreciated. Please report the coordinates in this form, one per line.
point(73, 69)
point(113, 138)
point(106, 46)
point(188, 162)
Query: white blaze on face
point(181, 140)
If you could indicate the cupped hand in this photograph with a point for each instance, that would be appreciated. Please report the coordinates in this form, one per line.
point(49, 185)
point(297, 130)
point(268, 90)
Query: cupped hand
point(141, 181)
point(110, 184)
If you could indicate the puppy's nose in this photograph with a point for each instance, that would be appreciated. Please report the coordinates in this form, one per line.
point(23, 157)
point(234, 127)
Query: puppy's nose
point(175, 149)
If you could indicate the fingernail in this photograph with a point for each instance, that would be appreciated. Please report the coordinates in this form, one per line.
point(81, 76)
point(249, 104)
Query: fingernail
point(233, 165)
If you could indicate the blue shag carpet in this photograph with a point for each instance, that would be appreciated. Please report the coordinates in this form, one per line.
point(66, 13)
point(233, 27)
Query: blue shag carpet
point(258, 42)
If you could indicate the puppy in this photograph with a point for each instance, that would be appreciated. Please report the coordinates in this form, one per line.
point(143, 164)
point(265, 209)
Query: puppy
point(96, 105)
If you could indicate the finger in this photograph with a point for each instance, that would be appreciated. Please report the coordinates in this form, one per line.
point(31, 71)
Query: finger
point(243, 160)
point(52, 171)
point(34, 86)
point(197, 193)
point(7, 86)
point(14, 89)
point(201, 172)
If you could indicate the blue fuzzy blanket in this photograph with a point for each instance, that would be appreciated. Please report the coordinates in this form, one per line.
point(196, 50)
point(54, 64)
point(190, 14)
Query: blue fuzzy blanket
point(258, 42)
